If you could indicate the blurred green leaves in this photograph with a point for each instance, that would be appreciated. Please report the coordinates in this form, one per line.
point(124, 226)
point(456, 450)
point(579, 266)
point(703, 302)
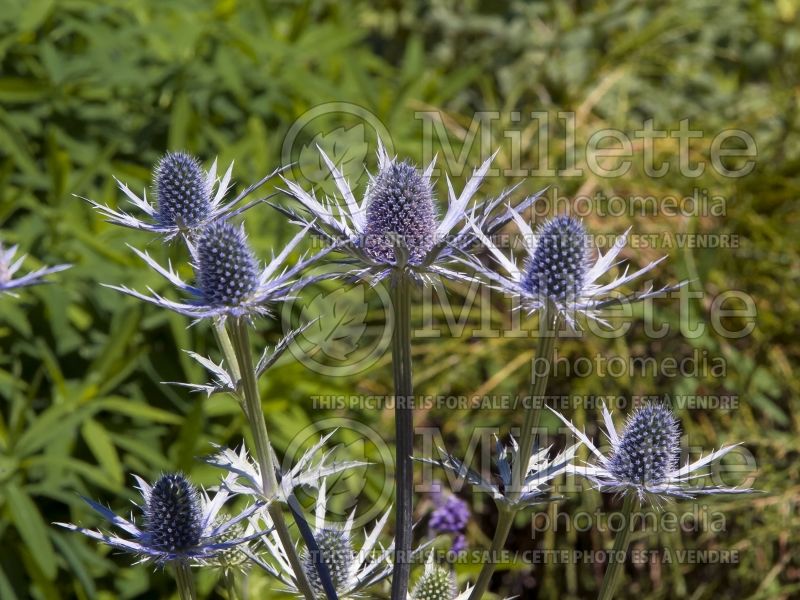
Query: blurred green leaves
point(94, 89)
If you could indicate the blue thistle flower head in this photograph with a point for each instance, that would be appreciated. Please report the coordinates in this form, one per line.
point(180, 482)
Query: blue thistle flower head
point(644, 458)
point(336, 553)
point(233, 557)
point(351, 570)
point(398, 212)
point(227, 270)
point(649, 446)
point(181, 523)
point(182, 191)
point(558, 266)
point(229, 281)
point(173, 514)
point(450, 516)
point(400, 205)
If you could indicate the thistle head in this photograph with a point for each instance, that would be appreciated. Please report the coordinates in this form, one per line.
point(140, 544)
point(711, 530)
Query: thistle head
point(227, 271)
point(557, 269)
point(400, 204)
point(450, 516)
point(435, 584)
point(183, 194)
point(648, 449)
point(173, 514)
point(336, 553)
point(233, 556)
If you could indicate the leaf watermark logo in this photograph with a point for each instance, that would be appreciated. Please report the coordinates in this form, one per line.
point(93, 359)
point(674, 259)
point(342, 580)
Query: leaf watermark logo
point(367, 489)
point(347, 133)
point(344, 331)
point(347, 148)
point(339, 322)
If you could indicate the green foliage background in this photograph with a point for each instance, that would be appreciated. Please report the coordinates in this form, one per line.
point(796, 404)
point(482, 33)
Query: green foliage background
point(94, 89)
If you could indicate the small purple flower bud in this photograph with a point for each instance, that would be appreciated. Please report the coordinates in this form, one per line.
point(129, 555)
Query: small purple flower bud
point(183, 194)
point(227, 271)
point(459, 543)
point(648, 448)
point(560, 261)
point(450, 516)
point(173, 515)
point(400, 203)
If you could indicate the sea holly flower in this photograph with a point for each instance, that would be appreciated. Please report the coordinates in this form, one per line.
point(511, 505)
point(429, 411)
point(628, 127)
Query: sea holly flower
point(234, 558)
point(561, 268)
point(9, 267)
point(437, 583)
point(180, 523)
point(186, 199)
point(352, 570)
point(228, 279)
point(450, 516)
point(397, 224)
point(644, 458)
point(540, 470)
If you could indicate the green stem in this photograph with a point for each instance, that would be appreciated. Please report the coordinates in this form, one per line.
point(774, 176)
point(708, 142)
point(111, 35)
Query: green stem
point(224, 341)
point(545, 350)
point(504, 522)
point(404, 432)
point(616, 561)
point(240, 338)
point(184, 579)
point(229, 577)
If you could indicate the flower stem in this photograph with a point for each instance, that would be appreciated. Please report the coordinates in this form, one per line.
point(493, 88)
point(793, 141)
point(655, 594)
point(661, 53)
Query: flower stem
point(240, 339)
point(224, 341)
point(504, 522)
point(545, 350)
point(229, 578)
point(616, 561)
point(185, 581)
point(404, 431)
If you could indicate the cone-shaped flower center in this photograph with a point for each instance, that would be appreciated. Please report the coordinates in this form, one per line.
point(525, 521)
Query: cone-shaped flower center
point(558, 267)
point(400, 204)
point(182, 191)
point(229, 556)
point(437, 584)
point(336, 553)
point(227, 270)
point(173, 514)
point(648, 449)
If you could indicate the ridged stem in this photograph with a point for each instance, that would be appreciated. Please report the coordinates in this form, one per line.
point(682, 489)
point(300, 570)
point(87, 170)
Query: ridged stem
point(404, 431)
point(231, 587)
point(225, 344)
point(616, 561)
point(504, 522)
point(240, 339)
point(184, 579)
point(545, 351)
